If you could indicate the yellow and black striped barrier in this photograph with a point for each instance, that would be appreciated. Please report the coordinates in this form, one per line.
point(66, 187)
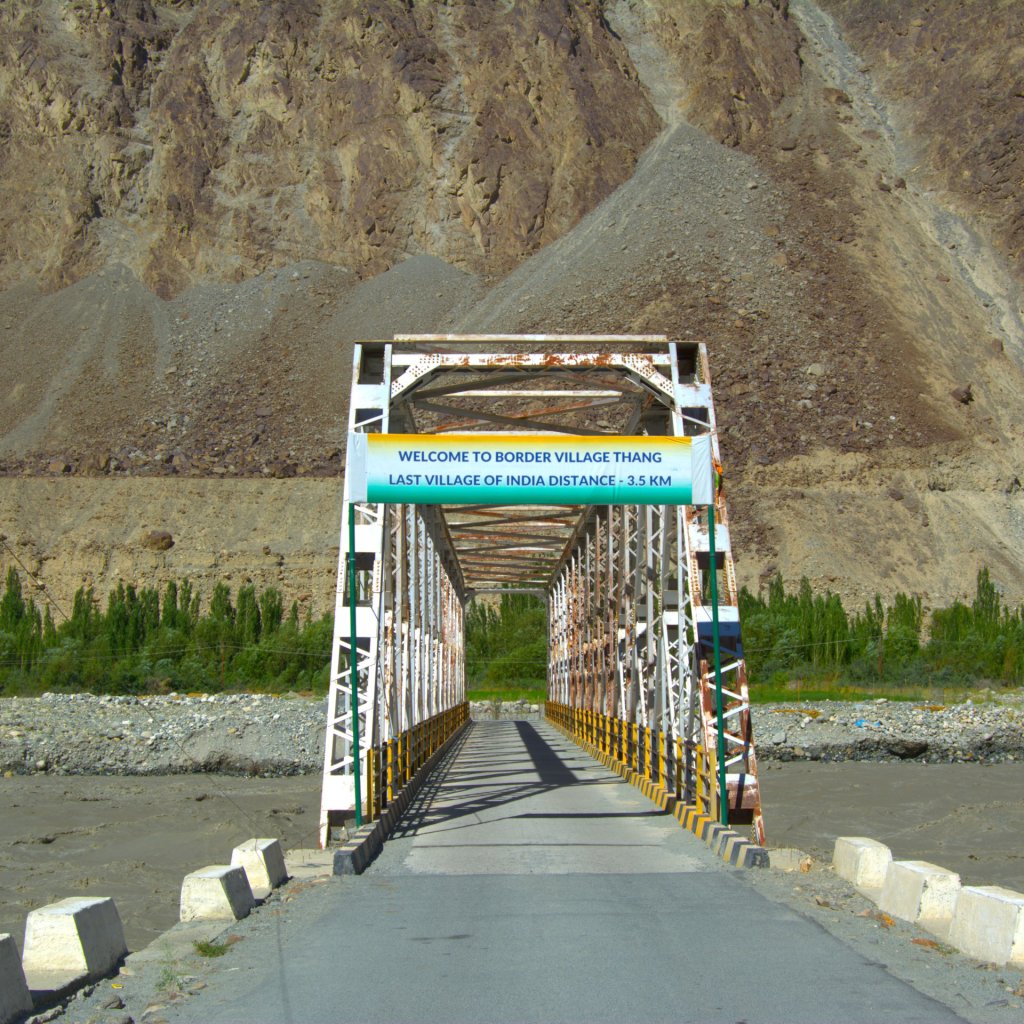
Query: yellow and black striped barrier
point(394, 773)
point(392, 765)
point(641, 758)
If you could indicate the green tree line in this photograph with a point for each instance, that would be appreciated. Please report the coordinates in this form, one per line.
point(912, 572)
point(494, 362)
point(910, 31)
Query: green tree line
point(507, 644)
point(149, 641)
point(812, 635)
point(145, 641)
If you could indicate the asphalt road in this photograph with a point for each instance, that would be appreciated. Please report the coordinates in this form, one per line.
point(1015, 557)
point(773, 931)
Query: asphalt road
point(528, 883)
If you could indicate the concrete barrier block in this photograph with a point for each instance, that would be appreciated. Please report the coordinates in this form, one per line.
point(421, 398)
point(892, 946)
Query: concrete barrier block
point(263, 862)
point(15, 999)
point(864, 862)
point(988, 923)
point(747, 855)
point(718, 837)
point(77, 936)
point(216, 893)
point(917, 891)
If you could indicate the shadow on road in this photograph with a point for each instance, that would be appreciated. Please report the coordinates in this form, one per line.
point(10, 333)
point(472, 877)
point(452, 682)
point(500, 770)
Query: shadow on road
point(491, 766)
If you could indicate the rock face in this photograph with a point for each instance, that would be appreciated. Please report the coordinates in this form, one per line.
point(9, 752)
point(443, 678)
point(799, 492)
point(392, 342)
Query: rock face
point(949, 69)
point(206, 201)
point(270, 533)
point(741, 62)
point(219, 138)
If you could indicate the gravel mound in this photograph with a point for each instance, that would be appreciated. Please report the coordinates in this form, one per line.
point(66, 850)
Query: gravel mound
point(251, 734)
point(883, 730)
point(505, 710)
point(236, 734)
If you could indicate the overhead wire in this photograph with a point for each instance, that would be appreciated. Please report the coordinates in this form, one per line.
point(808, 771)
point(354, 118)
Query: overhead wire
point(35, 579)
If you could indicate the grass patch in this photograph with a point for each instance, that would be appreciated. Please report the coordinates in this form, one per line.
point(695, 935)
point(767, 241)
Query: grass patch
point(169, 981)
point(774, 693)
point(211, 949)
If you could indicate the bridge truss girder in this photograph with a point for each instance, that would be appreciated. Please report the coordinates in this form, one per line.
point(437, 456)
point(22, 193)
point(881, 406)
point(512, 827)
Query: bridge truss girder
point(629, 625)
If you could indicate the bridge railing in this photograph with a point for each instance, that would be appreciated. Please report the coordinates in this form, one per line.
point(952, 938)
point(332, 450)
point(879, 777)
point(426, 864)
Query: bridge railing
point(684, 772)
point(651, 753)
point(391, 766)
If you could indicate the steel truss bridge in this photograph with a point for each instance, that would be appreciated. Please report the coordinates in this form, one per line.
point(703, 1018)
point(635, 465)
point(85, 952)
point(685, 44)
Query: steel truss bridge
point(627, 586)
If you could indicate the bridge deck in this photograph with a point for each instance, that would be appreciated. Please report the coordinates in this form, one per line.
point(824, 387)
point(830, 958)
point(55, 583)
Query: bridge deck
point(518, 799)
point(528, 883)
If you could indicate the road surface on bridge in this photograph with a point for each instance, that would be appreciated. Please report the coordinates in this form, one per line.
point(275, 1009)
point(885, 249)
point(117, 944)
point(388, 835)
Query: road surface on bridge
point(529, 883)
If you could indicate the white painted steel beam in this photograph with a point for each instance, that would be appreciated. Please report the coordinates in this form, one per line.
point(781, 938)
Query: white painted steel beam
point(627, 586)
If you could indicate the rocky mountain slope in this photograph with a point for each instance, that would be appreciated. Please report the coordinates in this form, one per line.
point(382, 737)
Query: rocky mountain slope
point(216, 138)
point(206, 202)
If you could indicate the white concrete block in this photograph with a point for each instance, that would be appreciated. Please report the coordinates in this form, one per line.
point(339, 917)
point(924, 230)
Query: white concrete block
point(988, 923)
point(917, 891)
point(864, 862)
point(15, 1000)
point(74, 936)
point(263, 862)
point(216, 893)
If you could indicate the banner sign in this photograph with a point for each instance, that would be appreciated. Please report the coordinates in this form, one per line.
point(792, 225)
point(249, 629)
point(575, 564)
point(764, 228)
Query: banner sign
point(529, 469)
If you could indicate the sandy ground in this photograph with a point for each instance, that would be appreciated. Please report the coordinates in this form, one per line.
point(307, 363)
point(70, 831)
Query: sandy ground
point(966, 817)
point(135, 838)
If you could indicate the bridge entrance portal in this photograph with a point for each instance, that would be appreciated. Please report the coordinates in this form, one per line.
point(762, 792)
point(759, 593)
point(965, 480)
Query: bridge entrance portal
point(627, 585)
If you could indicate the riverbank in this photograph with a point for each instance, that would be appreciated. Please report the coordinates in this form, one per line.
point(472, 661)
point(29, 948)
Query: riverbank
point(966, 817)
point(123, 796)
point(987, 731)
point(261, 735)
point(136, 838)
